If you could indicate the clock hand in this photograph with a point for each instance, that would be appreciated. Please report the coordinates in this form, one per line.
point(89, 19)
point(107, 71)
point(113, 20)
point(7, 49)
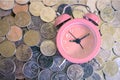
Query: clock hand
point(84, 36)
point(72, 35)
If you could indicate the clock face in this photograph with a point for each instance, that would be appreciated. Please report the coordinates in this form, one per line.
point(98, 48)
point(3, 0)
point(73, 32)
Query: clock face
point(78, 40)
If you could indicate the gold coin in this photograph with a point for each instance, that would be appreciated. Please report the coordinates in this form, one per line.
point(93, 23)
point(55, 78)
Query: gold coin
point(35, 8)
point(111, 68)
point(20, 8)
point(14, 34)
point(91, 5)
point(78, 13)
point(32, 38)
point(22, 1)
point(107, 14)
point(6, 4)
point(4, 28)
point(116, 48)
point(22, 19)
point(23, 53)
point(50, 2)
point(107, 29)
point(107, 41)
point(7, 49)
point(10, 20)
point(116, 35)
point(48, 48)
point(47, 14)
point(35, 1)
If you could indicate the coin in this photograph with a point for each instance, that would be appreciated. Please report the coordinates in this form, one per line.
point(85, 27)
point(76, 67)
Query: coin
point(22, 19)
point(77, 13)
point(107, 14)
point(22, 1)
point(50, 3)
point(47, 14)
point(117, 60)
point(104, 54)
point(37, 21)
point(107, 39)
point(75, 72)
point(106, 28)
point(58, 64)
point(48, 48)
point(115, 4)
point(91, 5)
point(67, 11)
point(18, 72)
point(4, 28)
point(31, 69)
point(36, 52)
point(7, 48)
point(23, 53)
point(2, 39)
point(14, 34)
point(20, 8)
point(6, 4)
point(32, 38)
point(45, 61)
point(95, 76)
point(36, 7)
point(4, 12)
point(111, 68)
point(7, 77)
point(116, 48)
point(9, 20)
point(116, 35)
point(59, 76)
point(48, 31)
point(88, 70)
point(7, 66)
point(45, 74)
point(35, 1)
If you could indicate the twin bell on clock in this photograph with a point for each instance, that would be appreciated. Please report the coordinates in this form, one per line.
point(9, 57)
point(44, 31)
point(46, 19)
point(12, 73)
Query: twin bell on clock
point(78, 40)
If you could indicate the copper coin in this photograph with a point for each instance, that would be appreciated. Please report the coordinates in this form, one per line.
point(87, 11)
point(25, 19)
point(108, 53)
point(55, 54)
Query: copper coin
point(22, 1)
point(10, 20)
point(14, 34)
point(6, 4)
point(32, 38)
point(22, 19)
point(19, 8)
point(7, 48)
point(18, 72)
point(48, 48)
point(4, 12)
point(48, 31)
point(7, 66)
point(4, 28)
point(31, 69)
point(23, 53)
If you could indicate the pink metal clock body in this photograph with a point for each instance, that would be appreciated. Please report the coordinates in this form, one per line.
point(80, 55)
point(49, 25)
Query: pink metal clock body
point(82, 50)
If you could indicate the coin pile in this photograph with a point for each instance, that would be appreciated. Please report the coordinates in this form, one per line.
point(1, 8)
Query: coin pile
point(27, 41)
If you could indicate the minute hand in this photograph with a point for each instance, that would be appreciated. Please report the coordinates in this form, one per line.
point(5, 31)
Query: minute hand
point(84, 36)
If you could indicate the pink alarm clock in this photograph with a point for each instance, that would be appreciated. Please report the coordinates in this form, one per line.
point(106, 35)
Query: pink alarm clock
point(78, 40)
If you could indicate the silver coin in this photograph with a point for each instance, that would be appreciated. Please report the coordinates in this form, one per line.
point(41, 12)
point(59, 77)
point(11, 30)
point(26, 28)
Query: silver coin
point(59, 76)
point(7, 76)
point(88, 70)
point(95, 76)
point(75, 72)
point(7, 66)
point(116, 4)
point(45, 61)
point(45, 74)
point(31, 69)
point(116, 48)
point(58, 64)
point(48, 31)
point(4, 12)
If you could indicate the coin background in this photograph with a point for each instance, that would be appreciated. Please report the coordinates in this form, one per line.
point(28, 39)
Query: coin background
point(109, 29)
